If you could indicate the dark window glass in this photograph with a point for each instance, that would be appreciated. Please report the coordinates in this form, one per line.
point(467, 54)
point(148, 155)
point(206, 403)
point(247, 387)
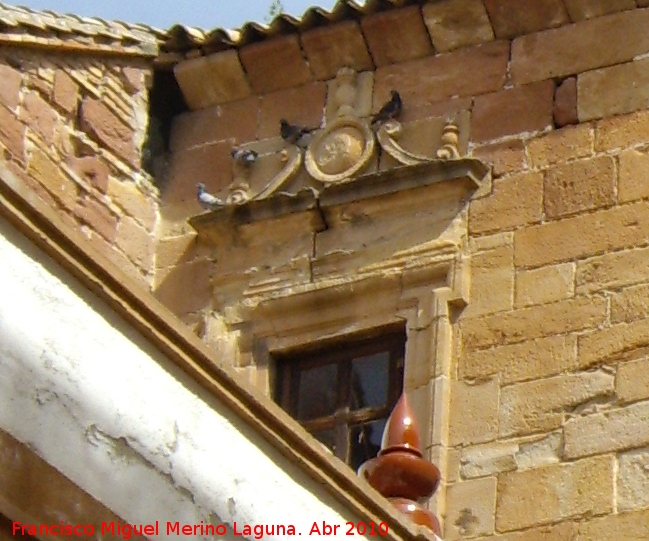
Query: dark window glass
point(317, 394)
point(343, 392)
point(370, 380)
point(365, 441)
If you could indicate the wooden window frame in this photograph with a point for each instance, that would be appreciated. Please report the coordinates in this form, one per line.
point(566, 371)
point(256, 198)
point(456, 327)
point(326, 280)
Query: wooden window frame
point(290, 365)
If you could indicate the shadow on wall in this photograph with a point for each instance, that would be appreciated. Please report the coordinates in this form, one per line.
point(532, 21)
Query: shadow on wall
point(183, 266)
point(184, 285)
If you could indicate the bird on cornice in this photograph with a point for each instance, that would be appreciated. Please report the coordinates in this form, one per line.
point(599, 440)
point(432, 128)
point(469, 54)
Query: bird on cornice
point(391, 109)
point(291, 133)
point(244, 157)
point(207, 200)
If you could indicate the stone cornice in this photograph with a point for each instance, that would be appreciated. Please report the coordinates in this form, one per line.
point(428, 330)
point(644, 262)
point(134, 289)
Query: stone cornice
point(63, 46)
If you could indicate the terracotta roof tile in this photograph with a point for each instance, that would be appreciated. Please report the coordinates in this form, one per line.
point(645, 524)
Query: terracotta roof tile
point(209, 41)
point(17, 24)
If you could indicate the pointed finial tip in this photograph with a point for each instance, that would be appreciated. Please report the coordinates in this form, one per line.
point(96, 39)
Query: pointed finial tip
point(401, 430)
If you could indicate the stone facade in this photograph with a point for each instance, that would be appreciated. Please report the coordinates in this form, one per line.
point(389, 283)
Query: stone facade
point(72, 128)
point(544, 437)
point(537, 394)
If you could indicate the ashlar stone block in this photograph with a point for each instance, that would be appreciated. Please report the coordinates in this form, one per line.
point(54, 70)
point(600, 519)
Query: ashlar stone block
point(633, 480)
point(541, 405)
point(549, 494)
point(470, 508)
point(474, 412)
point(457, 23)
point(620, 429)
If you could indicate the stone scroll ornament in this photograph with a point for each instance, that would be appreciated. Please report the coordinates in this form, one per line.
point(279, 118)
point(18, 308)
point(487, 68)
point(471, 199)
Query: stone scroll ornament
point(389, 132)
point(240, 192)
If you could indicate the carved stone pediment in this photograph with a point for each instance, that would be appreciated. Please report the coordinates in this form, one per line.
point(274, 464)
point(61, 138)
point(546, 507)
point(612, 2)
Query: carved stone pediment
point(347, 148)
point(339, 153)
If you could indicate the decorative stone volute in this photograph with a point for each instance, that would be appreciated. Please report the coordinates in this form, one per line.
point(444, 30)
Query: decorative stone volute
point(399, 472)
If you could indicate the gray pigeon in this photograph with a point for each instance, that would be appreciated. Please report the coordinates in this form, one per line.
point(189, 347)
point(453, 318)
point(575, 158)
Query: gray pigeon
point(207, 200)
point(244, 157)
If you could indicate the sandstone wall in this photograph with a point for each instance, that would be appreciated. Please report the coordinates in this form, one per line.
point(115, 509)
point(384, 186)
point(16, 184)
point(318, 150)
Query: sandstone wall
point(552, 370)
point(71, 127)
point(548, 413)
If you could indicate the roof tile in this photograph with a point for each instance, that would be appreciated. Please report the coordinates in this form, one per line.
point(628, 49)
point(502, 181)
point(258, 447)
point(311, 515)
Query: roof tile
point(21, 21)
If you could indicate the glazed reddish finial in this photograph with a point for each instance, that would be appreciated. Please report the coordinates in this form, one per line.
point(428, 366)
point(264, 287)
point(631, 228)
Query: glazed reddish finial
point(401, 430)
point(399, 472)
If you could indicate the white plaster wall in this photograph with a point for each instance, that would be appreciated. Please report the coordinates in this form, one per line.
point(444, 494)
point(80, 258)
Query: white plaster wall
point(103, 406)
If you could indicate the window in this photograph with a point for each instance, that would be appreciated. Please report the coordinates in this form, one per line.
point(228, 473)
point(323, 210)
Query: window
point(343, 393)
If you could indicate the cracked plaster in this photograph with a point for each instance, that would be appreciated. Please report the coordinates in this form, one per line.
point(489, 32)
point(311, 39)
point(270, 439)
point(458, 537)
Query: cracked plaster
point(109, 411)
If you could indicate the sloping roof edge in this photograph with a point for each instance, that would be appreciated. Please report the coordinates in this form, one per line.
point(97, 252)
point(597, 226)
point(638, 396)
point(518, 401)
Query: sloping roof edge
point(23, 26)
point(140, 309)
point(182, 39)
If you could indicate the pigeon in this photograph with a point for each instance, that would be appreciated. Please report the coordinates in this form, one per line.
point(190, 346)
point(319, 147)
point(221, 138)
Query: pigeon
point(291, 133)
point(243, 156)
point(207, 200)
point(391, 109)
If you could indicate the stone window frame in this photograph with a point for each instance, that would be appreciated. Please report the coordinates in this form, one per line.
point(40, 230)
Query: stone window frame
point(317, 274)
point(425, 293)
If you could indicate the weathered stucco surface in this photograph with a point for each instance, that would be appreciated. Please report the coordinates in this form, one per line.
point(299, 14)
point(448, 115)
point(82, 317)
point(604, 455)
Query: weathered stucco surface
point(102, 405)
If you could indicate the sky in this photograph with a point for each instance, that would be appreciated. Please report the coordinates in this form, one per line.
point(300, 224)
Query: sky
point(207, 14)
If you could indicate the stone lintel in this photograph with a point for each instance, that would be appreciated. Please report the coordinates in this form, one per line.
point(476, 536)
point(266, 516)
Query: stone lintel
point(404, 178)
point(308, 200)
point(273, 208)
